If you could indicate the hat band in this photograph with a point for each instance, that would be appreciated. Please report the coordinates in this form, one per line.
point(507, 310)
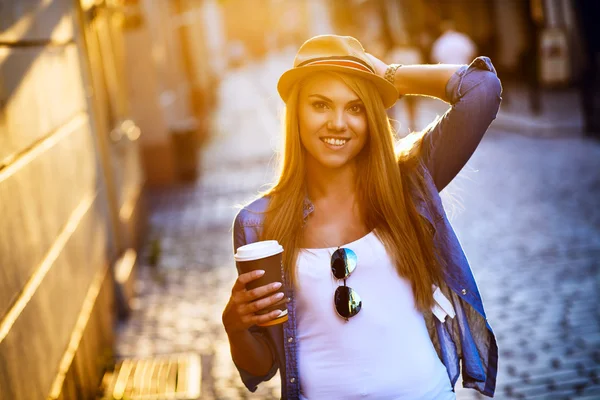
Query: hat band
point(353, 63)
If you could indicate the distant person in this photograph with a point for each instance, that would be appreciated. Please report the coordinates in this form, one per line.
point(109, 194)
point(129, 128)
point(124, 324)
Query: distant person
point(452, 47)
point(382, 301)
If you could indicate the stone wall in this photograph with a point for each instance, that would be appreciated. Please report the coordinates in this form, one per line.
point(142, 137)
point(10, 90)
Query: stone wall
point(55, 233)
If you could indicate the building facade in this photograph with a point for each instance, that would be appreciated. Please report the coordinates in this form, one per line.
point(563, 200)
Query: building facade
point(70, 194)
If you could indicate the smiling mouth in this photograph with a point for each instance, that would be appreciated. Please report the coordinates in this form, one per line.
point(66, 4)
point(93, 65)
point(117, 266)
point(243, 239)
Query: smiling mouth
point(334, 141)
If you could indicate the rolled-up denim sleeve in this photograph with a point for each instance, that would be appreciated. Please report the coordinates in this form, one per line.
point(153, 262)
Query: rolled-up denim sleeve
point(251, 381)
point(474, 92)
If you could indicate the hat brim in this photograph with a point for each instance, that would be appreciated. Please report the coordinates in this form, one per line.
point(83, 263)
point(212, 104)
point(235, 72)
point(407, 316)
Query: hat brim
point(389, 93)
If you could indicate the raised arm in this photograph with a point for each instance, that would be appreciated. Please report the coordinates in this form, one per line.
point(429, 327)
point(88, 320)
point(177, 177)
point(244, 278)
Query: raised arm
point(474, 94)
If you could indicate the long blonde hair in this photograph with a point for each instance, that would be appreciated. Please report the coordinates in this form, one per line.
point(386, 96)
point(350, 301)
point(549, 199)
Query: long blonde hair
point(384, 181)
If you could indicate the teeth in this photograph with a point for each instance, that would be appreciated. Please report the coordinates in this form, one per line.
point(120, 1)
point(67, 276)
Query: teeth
point(335, 142)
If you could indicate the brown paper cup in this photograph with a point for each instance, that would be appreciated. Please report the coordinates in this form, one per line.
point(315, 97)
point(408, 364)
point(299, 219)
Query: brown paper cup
point(268, 256)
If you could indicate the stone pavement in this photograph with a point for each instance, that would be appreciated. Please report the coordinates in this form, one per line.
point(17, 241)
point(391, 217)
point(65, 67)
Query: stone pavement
point(524, 208)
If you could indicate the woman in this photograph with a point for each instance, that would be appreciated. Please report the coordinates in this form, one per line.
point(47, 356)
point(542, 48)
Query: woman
point(406, 306)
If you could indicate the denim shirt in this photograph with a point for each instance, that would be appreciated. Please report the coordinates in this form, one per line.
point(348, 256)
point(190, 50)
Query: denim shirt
point(467, 339)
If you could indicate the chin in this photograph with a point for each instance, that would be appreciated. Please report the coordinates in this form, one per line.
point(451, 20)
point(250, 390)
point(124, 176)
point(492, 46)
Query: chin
point(331, 159)
point(333, 162)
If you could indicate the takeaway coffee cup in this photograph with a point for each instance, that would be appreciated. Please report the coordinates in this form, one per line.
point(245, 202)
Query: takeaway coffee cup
point(268, 256)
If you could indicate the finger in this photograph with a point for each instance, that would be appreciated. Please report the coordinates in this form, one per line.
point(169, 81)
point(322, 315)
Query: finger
point(243, 279)
point(258, 305)
point(261, 319)
point(261, 291)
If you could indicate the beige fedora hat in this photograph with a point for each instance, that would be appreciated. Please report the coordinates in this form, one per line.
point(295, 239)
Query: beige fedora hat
point(335, 53)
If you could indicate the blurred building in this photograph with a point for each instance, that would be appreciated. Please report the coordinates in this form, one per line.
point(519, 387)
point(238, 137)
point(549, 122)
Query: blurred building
point(260, 26)
point(70, 194)
point(542, 35)
point(98, 99)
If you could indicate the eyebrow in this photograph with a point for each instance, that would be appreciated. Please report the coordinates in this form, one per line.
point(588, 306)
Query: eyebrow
point(331, 101)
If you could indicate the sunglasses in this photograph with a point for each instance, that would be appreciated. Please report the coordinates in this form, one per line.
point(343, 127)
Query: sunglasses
point(347, 301)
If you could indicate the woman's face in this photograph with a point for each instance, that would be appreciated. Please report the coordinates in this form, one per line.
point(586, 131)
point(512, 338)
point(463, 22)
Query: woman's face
point(333, 121)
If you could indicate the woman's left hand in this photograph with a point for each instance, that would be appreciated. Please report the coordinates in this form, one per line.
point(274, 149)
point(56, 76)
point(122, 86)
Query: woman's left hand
point(379, 65)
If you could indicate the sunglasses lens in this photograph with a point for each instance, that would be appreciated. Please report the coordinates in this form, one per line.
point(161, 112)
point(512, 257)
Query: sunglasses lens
point(347, 302)
point(343, 263)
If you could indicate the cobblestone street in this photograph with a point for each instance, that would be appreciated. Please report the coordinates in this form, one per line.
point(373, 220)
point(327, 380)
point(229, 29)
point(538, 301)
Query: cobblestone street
point(525, 209)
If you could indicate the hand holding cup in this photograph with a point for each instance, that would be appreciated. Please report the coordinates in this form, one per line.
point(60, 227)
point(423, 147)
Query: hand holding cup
point(253, 299)
point(241, 310)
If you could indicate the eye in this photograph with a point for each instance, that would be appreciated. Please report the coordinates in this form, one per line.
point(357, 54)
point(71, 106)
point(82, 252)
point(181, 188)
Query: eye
point(357, 109)
point(319, 105)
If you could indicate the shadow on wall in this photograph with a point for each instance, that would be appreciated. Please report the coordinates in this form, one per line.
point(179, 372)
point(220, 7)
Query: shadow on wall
point(51, 14)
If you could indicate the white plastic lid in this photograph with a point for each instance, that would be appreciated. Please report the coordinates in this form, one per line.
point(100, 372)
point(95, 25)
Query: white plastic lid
point(257, 250)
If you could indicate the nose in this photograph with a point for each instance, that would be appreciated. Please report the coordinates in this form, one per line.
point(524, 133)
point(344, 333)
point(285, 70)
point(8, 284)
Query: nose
point(337, 122)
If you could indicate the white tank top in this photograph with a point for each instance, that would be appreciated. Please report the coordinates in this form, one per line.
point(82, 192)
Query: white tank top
point(384, 352)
